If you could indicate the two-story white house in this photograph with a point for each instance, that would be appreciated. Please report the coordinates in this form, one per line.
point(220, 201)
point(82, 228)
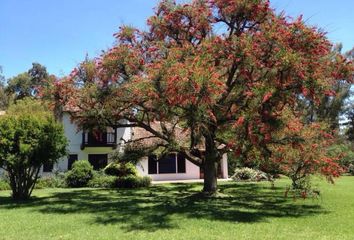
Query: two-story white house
point(96, 147)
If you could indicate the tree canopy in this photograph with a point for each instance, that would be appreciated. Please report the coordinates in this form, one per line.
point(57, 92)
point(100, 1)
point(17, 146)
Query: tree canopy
point(29, 138)
point(30, 83)
point(225, 72)
point(4, 99)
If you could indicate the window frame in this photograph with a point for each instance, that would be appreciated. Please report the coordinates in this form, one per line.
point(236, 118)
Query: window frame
point(177, 157)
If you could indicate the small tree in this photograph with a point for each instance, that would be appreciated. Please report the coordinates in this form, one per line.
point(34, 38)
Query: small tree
point(306, 153)
point(29, 138)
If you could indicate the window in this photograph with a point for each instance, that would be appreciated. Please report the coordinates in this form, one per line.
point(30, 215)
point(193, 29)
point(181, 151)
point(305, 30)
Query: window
point(167, 164)
point(152, 165)
point(48, 167)
point(71, 159)
point(98, 161)
point(99, 138)
point(171, 163)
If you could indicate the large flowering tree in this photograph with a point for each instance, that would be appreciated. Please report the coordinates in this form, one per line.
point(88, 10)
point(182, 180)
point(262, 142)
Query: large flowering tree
point(223, 71)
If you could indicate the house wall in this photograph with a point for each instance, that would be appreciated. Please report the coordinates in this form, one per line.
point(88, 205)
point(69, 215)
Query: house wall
point(62, 165)
point(123, 134)
point(75, 139)
point(224, 167)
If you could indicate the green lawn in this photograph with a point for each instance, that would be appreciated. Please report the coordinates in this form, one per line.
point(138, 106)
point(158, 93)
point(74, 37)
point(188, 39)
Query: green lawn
point(245, 211)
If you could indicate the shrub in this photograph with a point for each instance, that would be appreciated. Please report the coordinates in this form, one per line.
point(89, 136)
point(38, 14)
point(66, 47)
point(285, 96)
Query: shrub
point(54, 181)
point(102, 181)
point(145, 181)
point(80, 174)
point(133, 182)
point(121, 169)
point(112, 169)
point(345, 152)
point(302, 188)
point(4, 185)
point(249, 174)
point(351, 169)
point(133, 152)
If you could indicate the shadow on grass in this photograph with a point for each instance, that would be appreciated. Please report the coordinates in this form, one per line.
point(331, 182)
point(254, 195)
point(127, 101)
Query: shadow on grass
point(152, 209)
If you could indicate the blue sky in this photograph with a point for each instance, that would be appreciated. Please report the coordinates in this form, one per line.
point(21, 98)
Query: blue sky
point(59, 33)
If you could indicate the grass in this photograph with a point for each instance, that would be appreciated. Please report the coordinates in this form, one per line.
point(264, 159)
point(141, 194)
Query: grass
point(243, 211)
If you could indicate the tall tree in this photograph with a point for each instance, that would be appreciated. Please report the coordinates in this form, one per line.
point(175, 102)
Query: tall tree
point(19, 86)
point(349, 114)
point(350, 124)
point(2, 78)
point(221, 72)
point(30, 83)
point(3, 96)
point(39, 77)
point(332, 105)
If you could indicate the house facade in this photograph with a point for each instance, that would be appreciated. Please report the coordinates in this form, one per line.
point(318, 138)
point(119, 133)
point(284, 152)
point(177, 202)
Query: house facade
point(96, 147)
point(87, 146)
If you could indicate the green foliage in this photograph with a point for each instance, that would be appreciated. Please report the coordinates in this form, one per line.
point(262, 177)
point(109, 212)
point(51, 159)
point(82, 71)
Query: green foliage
point(29, 138)
point(123, 167)
point(133, 182)
point(350, 124)
point(112, 169)
point(248, 174)
point(302, 188)
point(191, 87)
point(233, 162)
point(242, 161)
point(145, 181)
point(30, 106)
point(2, 78)
point(303, 183)
point(102, 181)
point(4, 99)
point(330, 108)
point(351, 169)
point(29, 83)
point(345, 150)
point(38, 74)
point(80, 174)
point(120, 169)
point(125, 175)
point(132, 154)
point(20, 86)
point(4, 185)
point(53, 181)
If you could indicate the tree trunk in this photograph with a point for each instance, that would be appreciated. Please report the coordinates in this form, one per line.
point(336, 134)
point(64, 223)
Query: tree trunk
point(211, 160)
point(210, 175)
point(22, 184)
point(19, 191)
point(20, 194)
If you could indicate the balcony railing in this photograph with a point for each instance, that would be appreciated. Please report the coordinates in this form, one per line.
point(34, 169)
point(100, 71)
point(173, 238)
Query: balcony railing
point(101, 139)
